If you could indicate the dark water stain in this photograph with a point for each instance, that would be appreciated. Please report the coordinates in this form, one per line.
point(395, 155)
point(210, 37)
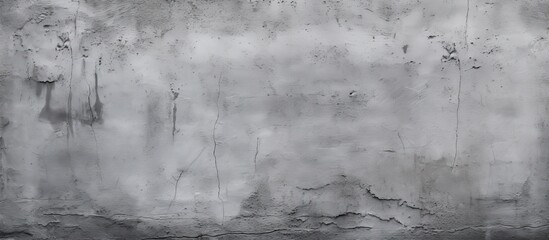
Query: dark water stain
point(174, 119)
point(70, 128)
point(58, 179)
point(92, 113)
point(37, 79)
point(2, 172)
point(98, 106)
point(153, 124)
point(83, 68)
point(38, 88)
point(2, 145)
point(86, 116)
point(54, 116)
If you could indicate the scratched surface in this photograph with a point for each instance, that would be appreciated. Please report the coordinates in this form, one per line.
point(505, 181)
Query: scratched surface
point(252, 119)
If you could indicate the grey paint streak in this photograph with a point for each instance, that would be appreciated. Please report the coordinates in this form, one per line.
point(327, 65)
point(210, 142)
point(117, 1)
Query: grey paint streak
point(274, 119)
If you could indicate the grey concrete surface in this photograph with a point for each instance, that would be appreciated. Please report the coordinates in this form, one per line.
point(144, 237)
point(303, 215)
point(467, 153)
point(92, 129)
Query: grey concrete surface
point(249, 119)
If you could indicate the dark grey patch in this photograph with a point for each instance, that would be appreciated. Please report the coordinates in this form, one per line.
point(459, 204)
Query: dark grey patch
point(53, 116)
point(2, 145)
point(4, 122)
point(405, 48)
point(12, 234)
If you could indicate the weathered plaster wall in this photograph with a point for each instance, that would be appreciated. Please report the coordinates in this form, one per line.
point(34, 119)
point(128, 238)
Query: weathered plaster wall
point(274, 119)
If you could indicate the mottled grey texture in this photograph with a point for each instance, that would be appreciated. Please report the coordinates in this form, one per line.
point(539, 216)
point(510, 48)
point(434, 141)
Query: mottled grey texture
point(248, 119)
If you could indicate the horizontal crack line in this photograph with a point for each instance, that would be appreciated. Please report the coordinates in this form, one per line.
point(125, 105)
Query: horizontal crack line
point(233, 233)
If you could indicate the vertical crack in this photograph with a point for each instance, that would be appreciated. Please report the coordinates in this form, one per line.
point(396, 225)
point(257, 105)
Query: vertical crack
point(90, 108)
point(459, 86)
point(97, 158)
point(453, 56)
point(214, 152)
point(401, 142)
point(256, 153)
point(457, 115)
point(467, 26)
point(493, 154)
point(174, 113)
point(69, 100)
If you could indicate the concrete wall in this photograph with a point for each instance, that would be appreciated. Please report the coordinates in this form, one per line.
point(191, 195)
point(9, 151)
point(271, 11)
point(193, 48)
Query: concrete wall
point(274, 119)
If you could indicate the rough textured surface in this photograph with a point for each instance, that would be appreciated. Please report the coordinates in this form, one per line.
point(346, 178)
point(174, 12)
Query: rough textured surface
point(249, 119)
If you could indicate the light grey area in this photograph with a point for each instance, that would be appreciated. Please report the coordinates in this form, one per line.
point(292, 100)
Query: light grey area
point(251, 119)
